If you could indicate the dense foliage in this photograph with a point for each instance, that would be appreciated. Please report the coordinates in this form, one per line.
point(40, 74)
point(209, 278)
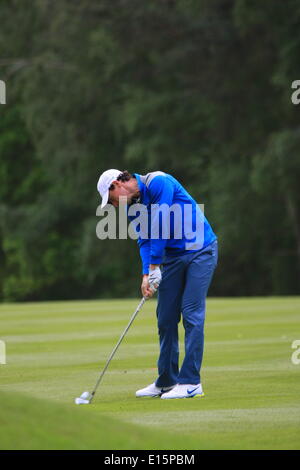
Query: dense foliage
point(197, 88)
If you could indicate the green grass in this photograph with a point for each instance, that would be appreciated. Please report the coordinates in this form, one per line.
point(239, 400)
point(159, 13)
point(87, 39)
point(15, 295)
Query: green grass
point(55, 351)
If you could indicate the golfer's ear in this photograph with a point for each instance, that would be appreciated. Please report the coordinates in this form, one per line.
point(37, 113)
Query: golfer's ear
point(113, 185)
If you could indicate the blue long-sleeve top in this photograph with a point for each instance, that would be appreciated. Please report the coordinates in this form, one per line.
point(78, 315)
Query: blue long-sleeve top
point(181, 229)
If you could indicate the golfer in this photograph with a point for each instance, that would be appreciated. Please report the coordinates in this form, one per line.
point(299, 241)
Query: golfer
point(178, 263)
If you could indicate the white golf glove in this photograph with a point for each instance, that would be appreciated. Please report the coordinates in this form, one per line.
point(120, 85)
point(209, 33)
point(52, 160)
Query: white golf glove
point(154, 278)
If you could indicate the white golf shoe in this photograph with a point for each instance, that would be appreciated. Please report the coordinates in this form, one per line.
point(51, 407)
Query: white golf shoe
point(152, 391)
point(184, 391)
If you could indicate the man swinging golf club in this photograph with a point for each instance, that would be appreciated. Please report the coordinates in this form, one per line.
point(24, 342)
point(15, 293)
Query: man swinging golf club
point(179, 263)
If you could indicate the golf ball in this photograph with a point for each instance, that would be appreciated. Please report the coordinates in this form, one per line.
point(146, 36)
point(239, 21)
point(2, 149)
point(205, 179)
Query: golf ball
point(85, 395)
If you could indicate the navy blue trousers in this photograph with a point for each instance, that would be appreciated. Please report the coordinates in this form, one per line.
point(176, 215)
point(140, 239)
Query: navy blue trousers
point(182, 291)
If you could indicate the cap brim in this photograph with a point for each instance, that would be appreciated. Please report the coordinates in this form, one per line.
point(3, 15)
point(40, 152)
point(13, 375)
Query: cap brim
point(104, 199)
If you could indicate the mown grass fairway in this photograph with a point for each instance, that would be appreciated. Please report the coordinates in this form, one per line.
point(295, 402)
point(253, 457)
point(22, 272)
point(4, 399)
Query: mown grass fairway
point(55, 351)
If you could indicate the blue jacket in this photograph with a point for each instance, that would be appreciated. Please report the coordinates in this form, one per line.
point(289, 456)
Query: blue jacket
point(186, 231)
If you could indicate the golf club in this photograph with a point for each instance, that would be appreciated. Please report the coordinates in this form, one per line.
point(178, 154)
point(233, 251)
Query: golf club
point(87, 397)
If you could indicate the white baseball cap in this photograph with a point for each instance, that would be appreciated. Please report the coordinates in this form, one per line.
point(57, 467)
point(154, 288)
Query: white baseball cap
point(104, 183)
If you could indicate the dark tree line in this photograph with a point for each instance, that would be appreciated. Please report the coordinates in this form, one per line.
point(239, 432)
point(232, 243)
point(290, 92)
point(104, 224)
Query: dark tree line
point(200, 89)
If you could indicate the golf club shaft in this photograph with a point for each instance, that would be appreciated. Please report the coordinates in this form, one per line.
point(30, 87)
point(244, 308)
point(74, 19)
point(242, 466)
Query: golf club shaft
point(117, 345)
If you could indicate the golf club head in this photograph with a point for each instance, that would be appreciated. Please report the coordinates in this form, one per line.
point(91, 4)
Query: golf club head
point(80, 401)
point(84, 399)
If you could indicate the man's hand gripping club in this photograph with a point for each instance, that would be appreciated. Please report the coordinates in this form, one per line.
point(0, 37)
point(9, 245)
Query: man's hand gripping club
point(151, 281)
